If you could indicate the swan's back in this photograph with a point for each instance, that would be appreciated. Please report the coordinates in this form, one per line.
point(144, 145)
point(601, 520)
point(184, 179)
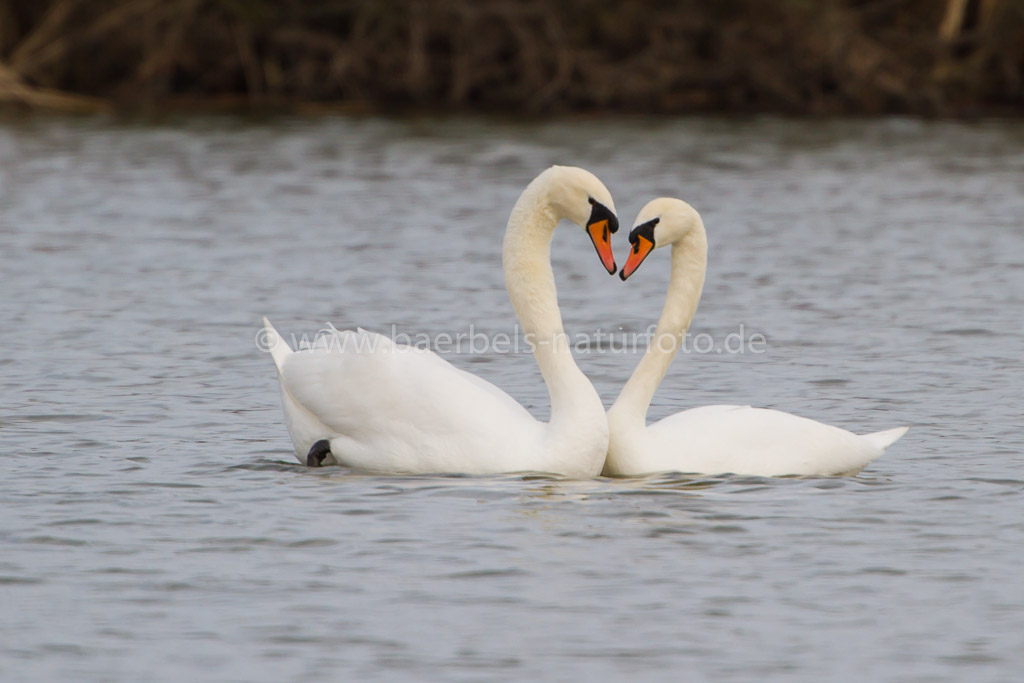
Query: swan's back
point(393, 408)
point(759, 441)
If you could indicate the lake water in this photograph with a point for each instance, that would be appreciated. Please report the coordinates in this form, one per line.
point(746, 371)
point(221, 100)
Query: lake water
point(154, 524)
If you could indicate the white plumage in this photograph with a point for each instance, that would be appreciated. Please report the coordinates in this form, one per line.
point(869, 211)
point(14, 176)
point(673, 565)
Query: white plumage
point(397, 409)
point(712, 439)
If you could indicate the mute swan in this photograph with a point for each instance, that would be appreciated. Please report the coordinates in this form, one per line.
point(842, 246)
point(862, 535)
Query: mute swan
point(712, 439)
point(359, 400)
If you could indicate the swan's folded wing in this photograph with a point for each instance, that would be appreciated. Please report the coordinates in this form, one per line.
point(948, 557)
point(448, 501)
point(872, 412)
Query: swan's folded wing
point(760, 441)
point(362, 385)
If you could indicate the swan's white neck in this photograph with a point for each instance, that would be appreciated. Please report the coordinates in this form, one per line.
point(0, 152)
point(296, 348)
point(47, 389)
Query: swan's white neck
point(526, 257)
point(689, 263)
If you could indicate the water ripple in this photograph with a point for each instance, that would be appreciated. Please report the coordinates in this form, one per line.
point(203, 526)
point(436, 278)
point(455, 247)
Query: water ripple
point(156, 525)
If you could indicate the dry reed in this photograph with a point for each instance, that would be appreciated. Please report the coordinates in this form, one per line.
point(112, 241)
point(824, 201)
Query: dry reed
point(519, 56)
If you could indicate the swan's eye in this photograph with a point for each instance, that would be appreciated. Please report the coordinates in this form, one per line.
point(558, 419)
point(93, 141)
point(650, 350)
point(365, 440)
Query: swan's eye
point(645, 230)
point(601, 213)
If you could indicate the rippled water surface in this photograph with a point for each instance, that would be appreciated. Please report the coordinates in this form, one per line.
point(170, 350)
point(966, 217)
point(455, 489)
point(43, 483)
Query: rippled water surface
point(155, 525)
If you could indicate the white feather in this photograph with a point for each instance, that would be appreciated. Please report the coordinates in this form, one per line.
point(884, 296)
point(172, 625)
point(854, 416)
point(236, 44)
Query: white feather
point(392, 408)
point(715, 439)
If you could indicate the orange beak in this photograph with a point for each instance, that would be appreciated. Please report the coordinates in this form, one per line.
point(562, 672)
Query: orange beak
point(641, 248)
point(600, 235)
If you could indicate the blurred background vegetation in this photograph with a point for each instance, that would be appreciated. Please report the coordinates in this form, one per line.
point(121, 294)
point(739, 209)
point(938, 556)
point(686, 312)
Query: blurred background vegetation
point(931, 57)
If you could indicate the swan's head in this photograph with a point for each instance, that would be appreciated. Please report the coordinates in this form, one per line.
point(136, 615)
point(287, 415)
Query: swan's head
point(577, 195)
point(660, 223)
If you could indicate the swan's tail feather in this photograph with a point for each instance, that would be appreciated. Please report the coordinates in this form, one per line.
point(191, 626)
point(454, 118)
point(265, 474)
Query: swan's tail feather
point(274, 343)
point(886, 438)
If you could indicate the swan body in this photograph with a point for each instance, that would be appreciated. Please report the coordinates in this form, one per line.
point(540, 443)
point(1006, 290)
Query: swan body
point(745, 440)
point(721, 438)
point(390, 408)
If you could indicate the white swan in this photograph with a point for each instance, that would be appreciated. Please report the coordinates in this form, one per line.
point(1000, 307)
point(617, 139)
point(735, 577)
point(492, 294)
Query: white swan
point(712, 439)
point(359, 400)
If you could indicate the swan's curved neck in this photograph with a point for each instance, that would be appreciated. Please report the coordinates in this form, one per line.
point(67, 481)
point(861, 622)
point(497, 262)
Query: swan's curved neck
point(526, 257)
point(689, 263)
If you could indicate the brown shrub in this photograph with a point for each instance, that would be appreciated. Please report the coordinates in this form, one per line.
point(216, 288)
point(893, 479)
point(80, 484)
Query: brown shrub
point(524, 56)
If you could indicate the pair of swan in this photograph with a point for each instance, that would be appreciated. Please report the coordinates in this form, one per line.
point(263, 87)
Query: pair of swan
point(359, 400)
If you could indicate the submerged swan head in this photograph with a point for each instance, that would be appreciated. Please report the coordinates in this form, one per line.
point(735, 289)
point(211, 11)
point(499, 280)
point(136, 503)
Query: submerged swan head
point(577, 195)
point(661, 222)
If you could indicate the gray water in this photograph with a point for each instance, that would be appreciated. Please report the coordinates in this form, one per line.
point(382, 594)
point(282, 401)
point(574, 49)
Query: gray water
point(156, 526)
